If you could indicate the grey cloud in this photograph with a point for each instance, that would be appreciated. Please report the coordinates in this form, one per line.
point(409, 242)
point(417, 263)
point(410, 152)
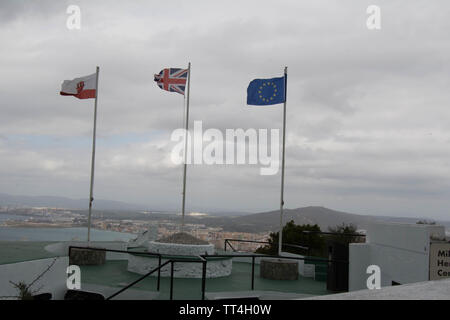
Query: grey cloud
point(359, 102)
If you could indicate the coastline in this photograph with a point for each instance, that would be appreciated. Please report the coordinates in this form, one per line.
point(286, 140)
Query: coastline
point(22, 224)
point(54, 233)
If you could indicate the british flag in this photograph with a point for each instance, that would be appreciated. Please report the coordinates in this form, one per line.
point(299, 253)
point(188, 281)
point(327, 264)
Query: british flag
point(172, 79)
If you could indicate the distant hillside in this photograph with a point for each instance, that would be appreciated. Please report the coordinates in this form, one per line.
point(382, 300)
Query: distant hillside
point(270, 221)
point(62, 202)
point(257, 222)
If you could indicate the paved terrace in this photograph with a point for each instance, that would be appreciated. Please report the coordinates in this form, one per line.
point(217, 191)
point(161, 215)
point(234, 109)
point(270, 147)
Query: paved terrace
point(114, 275)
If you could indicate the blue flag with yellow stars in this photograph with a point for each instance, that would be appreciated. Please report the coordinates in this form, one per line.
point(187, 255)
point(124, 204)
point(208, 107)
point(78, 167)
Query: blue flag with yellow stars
point(261, 92)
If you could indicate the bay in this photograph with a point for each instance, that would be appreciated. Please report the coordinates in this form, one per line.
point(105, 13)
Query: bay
point(60, 234)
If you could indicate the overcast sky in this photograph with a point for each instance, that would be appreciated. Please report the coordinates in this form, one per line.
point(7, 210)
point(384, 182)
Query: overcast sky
point(368, 110)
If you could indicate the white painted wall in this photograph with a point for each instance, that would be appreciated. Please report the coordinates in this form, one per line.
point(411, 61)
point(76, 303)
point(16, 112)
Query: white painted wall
point(400, 250)
point(54, 281)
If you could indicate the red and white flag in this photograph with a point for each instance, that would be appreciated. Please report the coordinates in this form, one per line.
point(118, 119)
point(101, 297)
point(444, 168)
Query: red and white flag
point(82, 88)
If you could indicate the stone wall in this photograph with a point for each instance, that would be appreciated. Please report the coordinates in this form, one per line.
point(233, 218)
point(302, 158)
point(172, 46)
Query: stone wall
point(62, 248)
point(86, 257)
point(304, 269)
point(179, 249)
point(278, 269)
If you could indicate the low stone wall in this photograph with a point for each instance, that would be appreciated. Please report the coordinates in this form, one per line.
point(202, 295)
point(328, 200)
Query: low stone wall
point(62, 248)
point(304, 269)
point(278, 269)
point(86, 257)
point(214, 268)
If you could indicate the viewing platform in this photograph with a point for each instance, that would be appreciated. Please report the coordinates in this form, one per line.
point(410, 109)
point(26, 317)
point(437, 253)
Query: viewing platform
point(114, 275)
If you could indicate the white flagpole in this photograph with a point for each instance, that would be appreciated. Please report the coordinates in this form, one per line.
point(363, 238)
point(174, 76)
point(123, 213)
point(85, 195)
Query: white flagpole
point(185, 148)
point(91, 193)
point(280, 239)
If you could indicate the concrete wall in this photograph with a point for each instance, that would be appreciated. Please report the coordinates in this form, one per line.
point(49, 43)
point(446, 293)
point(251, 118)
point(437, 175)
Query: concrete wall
point(400, 250)
point(54, 281)
point(359, 257)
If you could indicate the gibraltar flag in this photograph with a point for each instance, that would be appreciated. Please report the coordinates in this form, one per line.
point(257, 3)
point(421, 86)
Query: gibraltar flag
point(82, 88)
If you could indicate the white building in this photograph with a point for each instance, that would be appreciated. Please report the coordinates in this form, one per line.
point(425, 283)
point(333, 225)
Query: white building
point(402, 251)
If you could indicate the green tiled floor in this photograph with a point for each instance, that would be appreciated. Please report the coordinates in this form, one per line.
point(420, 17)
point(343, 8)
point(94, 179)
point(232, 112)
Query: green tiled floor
point(115, 274)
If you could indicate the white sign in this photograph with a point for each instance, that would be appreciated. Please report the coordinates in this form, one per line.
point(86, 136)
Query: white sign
point(439, 261)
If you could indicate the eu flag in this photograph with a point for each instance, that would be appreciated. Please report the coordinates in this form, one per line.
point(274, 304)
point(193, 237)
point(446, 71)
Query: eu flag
point(262, 92)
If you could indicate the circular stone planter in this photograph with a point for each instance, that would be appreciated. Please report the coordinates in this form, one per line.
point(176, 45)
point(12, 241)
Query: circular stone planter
point(215, 267)
point(177, 249)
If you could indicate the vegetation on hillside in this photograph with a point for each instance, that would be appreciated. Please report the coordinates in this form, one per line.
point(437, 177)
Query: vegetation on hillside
point(309, 236)
point(298, 235)
point(344, 233)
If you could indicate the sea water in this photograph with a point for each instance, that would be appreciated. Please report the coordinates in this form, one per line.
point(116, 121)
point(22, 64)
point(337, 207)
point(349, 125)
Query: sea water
point(60, 234)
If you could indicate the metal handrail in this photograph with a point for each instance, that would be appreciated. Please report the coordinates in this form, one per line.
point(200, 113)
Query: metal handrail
point(227, 242)
point(254, 256)
point(116, 251)
point(200, 259)
point(308, 232)
point(273, 257)
point(335, 233)
point(136, 281)
point(128, 252)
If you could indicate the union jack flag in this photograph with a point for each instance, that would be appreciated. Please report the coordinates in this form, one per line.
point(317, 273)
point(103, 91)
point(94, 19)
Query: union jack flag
point(172, 79)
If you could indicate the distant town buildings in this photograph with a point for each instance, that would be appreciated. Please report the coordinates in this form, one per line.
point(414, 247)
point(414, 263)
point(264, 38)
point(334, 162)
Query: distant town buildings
point(59, 217)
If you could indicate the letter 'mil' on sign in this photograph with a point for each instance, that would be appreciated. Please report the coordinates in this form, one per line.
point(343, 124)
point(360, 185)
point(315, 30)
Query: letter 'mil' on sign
point(74, 280)
point(74, 20)
point(374, 280)
point(374, 20)
point(439, 266)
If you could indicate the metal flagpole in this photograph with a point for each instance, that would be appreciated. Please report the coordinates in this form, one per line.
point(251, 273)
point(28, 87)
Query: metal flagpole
point(185, 148)
point(280, 239)
point(91, 193)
